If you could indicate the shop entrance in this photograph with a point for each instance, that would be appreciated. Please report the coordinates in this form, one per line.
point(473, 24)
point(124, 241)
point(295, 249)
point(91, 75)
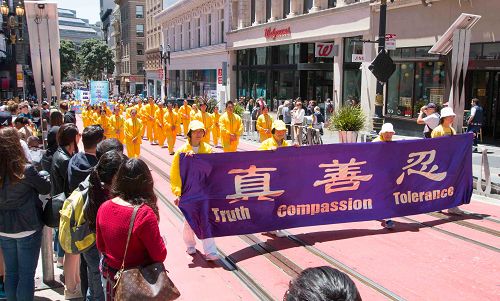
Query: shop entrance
point(485, 85)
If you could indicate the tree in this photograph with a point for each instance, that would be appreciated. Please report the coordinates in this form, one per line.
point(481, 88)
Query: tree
point(67, 54)
point(95, 59)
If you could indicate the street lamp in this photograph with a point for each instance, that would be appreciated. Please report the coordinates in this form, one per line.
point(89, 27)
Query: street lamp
point(165, 58)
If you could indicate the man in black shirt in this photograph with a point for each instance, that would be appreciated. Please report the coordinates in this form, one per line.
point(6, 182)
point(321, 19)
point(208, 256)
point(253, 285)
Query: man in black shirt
point(68, 116)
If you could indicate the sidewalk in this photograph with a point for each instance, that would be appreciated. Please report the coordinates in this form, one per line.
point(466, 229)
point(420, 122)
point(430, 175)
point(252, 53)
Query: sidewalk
point(45, 293)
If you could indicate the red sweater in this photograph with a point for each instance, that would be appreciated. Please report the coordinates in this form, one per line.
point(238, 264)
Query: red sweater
point(146, 245)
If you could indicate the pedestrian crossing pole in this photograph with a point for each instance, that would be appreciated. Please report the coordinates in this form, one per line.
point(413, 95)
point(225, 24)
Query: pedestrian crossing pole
point(47, 255)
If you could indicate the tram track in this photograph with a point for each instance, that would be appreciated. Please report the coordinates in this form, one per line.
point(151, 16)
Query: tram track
point(274, 256)
point(465, 223)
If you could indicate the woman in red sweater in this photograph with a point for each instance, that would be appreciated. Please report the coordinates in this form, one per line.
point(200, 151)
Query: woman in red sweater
point(133, 185)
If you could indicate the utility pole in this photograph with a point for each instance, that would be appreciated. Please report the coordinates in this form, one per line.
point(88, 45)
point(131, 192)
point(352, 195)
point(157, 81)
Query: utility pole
point(379, 98)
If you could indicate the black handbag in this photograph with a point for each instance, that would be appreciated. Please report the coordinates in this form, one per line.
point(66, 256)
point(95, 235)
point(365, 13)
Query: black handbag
point(51, 214)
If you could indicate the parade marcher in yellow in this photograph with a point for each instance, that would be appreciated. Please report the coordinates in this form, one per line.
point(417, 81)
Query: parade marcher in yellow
point(148, 113)
point(385, 135)
point(96, 114)
point(185, 116)
point(116, 125)
point(216, 126)
point(172, 123)
point(194, 112)
point(104, 122)
point(231, 128)
point(105, 107)
point(277, 140)
point(264, 124)
point(176, 111)
point(87, 116)
point(445, 128)
point(194, 145)
point(206, 119)
point(160, 130)
point(133, 138)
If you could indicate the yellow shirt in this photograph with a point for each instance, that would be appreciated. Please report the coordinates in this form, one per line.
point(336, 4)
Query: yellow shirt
point(272, 144)
point(133, 129)
point(171, 119)
point(440, 131)
point(175, 172)
point(160, 122)
point(379, 139)
point(116, 123)
point(184, 112)
point(148, 112)
point(193, 114)
point(205, 118)
point(230, 124)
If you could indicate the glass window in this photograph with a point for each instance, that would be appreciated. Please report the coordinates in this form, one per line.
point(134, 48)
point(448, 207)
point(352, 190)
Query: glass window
point(243, 57)
point(268, 9)
point(421, 52)
point(395, 54)
point(288, 81)
point(351, 47)
point(308, 4)
point(189, 34)
point(258, 56)
point(140, 66)
point(475, 51)
point(352, 85)
point(257, 81)
point(400, 90)
point(139, 30)
point(140, 48)
point(285, 54)
point(429, 84)
point(198, 33)
point(221, 26)
point(209, 29)
point(407, 52)
point(286, 8)
point(252, 11)
point(332, 3)
point(491, 51)
point(243, 83)
point(181, 40)
point(139, 11)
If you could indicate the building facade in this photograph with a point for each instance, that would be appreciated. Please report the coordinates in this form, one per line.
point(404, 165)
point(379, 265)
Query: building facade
point(154, 66)
point(106, 9)
point(132, 26)
point(72, 28)
point(196, 32)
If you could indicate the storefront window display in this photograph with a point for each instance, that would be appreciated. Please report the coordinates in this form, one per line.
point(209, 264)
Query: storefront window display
point(352, 74)
point(414, 83)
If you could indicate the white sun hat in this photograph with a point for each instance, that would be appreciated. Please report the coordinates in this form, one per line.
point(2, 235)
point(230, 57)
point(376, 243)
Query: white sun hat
point(446, 112)
point(387, 128)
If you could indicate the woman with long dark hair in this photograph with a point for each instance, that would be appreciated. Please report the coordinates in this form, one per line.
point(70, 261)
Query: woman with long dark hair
point(99, 187)
point(132, 186)
point(20, 216)
point(67, 138)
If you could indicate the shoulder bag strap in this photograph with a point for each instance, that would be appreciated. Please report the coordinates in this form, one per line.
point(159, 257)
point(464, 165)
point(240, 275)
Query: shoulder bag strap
point(131, 226)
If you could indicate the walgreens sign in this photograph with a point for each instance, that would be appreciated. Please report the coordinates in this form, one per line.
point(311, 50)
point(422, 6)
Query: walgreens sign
point(274, 33)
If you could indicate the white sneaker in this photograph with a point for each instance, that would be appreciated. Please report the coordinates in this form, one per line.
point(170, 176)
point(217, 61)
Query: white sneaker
point(191, 250)
point(75, 294)
point(211, 257)
point(278, 233)
point(456, 211)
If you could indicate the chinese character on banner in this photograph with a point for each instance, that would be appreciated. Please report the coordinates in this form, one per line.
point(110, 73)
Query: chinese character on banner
point(253, 182)
point(424, 159)
point(342, 176)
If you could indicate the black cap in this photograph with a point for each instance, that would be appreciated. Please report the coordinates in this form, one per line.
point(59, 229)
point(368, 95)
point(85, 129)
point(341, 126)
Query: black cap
point(5, 119)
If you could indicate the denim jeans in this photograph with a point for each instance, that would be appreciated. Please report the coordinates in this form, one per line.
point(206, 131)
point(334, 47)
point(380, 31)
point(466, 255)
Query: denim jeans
point(95, 291)
point(474, 129)
point(21, 258)
point(57, 246)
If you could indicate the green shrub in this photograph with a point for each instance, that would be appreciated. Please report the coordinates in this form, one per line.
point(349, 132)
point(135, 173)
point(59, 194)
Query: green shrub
point(238, 110)
point(347, 118)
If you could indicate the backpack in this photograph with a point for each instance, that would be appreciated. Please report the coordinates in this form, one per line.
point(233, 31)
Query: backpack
point(75, 235)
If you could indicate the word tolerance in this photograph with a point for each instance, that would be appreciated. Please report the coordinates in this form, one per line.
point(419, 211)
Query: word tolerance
point(273, 33)
point(249, 192)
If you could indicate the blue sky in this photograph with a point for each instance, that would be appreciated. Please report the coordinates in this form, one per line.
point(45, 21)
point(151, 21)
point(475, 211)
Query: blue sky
point(85, 9)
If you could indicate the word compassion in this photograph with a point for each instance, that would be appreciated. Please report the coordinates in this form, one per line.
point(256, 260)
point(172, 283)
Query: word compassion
point(273, 33)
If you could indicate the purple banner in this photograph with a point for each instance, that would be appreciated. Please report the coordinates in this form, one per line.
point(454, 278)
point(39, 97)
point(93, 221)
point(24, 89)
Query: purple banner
point(259, 191)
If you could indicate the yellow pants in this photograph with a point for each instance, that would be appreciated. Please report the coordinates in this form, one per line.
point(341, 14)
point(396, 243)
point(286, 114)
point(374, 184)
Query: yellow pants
point(230, 147)
point(160, 137)
point(150, 125)
point(144, 122)
point(185, 126)
point(171, 142)
point(133, 149)
point(215, 136)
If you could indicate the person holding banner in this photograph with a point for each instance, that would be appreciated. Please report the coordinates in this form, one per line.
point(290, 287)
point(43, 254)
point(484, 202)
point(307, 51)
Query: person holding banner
point(171, 125)
point(116, 125)
point(264, 124)
point(277, 140)
point(385, 135)
point(185, 116)
point(445, 128)
point(216, 126)
point(159, 132)
point(206, 119)
point(133, 138)
point(231, 128)
point(194, 145)
point(148, 113)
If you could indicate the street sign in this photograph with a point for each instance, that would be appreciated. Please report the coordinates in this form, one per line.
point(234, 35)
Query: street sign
point(390, 41)
point(326, 50)
point(219, 76)
point(358, 58)
point(382, 66)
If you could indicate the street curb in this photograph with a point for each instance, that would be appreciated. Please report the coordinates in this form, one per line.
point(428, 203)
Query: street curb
point(495, 189)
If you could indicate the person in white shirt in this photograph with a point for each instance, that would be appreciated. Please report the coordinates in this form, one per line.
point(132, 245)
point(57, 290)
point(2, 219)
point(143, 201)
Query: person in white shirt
point(431, 120)
point(297, 121)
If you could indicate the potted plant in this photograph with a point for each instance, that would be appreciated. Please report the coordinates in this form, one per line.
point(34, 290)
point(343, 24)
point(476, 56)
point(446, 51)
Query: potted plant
point(348, 121)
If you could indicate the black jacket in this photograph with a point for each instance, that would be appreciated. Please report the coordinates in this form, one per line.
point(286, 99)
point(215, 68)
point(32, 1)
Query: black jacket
point(69, 117)
point(79, 168)
point(20, 206)
point(59, 172)
point(51, 148)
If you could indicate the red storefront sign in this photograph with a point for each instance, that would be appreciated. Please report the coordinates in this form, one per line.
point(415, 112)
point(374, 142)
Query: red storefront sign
point(219, 76)
point(274, 33)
